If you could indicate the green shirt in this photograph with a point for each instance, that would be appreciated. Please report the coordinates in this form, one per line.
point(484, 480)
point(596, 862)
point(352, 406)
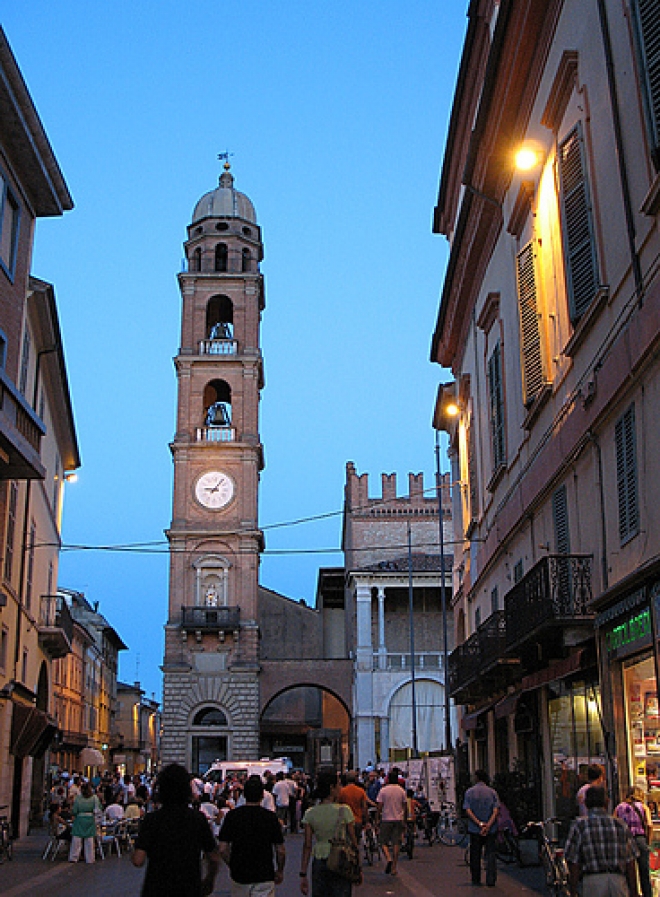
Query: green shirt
point(322, 819)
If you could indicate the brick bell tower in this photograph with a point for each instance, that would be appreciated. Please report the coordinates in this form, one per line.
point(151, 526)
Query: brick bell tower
point(211, 664)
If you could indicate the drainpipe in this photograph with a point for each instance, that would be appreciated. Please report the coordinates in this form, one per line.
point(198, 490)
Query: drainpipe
point(620, 151)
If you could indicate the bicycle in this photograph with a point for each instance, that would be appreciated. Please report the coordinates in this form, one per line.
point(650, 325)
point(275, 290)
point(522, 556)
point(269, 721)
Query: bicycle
point(6, 842)
point(451, 828)
point(371, 848)
point(553, 860)
point(409, 839)
point(427, 821)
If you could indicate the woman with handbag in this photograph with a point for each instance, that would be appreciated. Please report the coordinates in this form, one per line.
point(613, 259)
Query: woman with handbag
point(634, 812)
point(330, 837)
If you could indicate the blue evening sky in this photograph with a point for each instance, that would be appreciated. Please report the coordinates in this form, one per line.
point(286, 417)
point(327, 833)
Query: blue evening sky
point(337, 115)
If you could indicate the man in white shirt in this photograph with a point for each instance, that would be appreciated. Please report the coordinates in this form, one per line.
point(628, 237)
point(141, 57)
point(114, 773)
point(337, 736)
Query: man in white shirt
point(282, 794)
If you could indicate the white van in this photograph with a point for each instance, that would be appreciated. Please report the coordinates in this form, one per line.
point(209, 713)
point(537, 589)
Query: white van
point(219, 770)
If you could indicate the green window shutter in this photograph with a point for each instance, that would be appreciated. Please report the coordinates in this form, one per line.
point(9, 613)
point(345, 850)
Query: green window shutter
point(626, 475)
point(496, 407)
point(577, 223)
point(647, 22)
point(530, 332)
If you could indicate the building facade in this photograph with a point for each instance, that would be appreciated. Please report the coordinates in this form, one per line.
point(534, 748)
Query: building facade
point(211, 664)
point(38, 448)
point(85, 689)
point(136, 731)
point(549, 321)
point(391, 549)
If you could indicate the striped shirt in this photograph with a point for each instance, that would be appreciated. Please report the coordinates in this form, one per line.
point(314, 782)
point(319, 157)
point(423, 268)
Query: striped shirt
point(600, 843)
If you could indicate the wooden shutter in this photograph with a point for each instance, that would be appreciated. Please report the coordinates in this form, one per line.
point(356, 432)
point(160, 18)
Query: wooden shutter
point(560, 521)
point(579, 244)
point(626, 475)
point(647, 20)
point(496, 407)
point(472, 471)
point(530, 333)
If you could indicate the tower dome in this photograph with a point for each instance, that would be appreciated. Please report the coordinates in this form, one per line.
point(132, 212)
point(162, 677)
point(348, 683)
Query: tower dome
point(224, 202)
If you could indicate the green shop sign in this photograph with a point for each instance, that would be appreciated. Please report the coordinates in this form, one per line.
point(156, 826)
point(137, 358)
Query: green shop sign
point(631, 630)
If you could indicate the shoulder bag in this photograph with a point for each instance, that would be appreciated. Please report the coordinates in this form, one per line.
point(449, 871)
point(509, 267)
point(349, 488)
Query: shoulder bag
point(344, 859)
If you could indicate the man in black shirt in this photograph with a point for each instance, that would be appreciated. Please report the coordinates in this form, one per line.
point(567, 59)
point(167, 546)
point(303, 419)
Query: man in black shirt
point(173, 839)
point(249, 837)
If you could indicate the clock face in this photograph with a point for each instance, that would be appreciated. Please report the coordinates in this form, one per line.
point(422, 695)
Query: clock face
point(214, 489)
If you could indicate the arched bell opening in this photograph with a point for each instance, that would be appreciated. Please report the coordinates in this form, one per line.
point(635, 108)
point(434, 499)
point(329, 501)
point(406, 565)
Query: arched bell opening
point(220, 318)
point(217, 404)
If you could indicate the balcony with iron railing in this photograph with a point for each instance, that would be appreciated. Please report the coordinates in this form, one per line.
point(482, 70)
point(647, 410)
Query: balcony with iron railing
point(553, 595)
point(210, 619)
point(484, 654)
point(20, 434)
point(427, 660)
point(55, 626)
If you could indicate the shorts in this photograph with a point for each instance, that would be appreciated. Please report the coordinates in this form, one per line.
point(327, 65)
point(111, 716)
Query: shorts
point(391, 832)
point(282, 813)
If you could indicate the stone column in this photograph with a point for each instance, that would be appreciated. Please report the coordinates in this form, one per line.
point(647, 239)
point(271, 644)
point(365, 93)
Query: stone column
point(364, 662)
point(382, 650)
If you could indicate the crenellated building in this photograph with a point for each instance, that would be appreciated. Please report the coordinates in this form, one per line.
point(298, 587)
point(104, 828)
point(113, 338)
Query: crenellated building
point(391, 548)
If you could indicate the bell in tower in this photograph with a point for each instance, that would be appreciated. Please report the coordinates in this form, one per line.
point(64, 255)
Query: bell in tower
point(211, 660)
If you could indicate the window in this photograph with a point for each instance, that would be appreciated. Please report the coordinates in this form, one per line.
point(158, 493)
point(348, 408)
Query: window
point(24, 667)
point(626, 475)
point(221, 257)
point(25, 363)
point(560, 521)
point(577, 225)
point(9, 221)
point(646, 15)
point(11, 530)
point(496, 408)
point(518, 572)
point(246, 259)
point(477, 618)
point(196, 260)
point(210, 716)
point(533, 370)
point(472, 471)
point(494, 600)
point(4, 642)
point(30, 566)
point(3, 349)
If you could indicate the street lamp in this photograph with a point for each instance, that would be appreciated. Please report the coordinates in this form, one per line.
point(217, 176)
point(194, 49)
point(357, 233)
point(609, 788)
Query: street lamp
point(446, 409)
point(415, 744)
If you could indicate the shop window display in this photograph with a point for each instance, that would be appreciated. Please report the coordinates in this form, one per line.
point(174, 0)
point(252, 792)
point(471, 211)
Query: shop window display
point(643, 728)
point(576, 737)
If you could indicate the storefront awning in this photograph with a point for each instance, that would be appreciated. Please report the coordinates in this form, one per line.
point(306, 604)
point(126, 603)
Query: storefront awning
point(471, 720)
point(32, 731)
point(559, 669)
point(507, 705)
point(91, 757)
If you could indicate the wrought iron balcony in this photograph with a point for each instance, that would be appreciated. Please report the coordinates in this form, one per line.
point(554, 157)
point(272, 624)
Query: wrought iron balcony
point(554, 594)
point(55, 626)
point(210, 619)
point(485, 652)
point(464, 665)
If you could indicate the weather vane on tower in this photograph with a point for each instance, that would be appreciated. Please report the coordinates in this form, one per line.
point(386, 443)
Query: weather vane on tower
point(225, 156)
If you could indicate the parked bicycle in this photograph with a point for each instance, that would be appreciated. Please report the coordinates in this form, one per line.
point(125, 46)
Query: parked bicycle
point(6, 843)
point(552, 857)
point(451, 828)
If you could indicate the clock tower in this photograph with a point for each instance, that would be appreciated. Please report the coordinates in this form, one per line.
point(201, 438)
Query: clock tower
point(211, 663)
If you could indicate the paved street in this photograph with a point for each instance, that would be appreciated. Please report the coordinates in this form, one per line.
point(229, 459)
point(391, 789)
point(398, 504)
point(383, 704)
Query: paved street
point(433, 871)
